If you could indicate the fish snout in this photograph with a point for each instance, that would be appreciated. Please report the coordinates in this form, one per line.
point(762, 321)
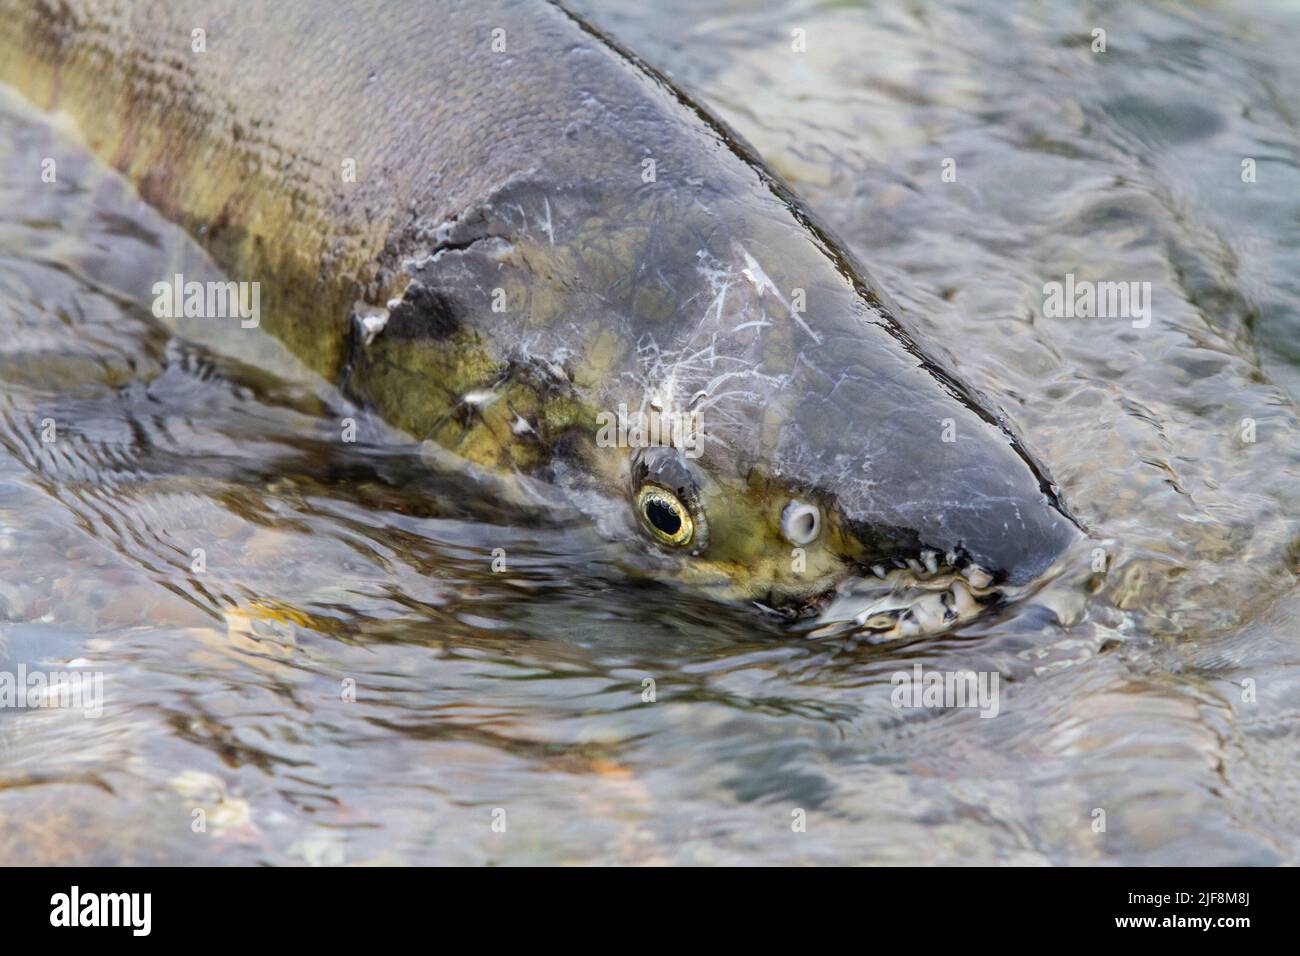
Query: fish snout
point(994, 510)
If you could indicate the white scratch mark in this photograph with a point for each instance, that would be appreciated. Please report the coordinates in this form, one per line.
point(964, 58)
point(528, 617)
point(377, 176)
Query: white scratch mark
point(547, 227)
point(755, 274)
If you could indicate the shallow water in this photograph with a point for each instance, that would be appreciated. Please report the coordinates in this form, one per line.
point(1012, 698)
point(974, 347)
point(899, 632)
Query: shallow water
point(1159, 691)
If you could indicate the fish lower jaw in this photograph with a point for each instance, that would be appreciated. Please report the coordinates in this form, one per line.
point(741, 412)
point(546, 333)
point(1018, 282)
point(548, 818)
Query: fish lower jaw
point(920, 596)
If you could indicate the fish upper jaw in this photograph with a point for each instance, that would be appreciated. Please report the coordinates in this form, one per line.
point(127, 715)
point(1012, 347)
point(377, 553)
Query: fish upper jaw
point(997, 519)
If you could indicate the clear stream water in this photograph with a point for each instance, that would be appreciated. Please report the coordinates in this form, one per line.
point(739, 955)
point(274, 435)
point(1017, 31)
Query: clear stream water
point(1158, 696)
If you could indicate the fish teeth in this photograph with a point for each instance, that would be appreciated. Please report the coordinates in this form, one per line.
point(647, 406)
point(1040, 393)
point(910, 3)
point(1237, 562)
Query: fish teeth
point(928, 604)
point(962, 601)
point(928, 613)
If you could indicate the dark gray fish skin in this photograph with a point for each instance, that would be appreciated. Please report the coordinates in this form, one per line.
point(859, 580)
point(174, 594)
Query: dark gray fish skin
point(567, 232)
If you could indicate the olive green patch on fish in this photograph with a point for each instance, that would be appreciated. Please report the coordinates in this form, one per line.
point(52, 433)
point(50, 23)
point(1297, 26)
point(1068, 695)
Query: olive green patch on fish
point(605, 353)
point(414, 384)
point(450, 388)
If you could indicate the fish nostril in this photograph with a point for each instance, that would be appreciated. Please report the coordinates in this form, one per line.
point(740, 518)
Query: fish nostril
point(800, 522)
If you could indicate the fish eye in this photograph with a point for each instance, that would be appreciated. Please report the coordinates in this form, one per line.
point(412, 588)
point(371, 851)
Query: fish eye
point(664, 516)
point(801, 522)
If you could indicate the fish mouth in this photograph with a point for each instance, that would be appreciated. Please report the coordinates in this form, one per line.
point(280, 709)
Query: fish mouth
point(919, 596)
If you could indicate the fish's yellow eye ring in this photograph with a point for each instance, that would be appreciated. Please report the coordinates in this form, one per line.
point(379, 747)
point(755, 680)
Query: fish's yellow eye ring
point(664, 516)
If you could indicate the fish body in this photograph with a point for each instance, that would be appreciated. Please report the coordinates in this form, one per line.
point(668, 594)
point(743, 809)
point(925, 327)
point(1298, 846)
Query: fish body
point(511, 238)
